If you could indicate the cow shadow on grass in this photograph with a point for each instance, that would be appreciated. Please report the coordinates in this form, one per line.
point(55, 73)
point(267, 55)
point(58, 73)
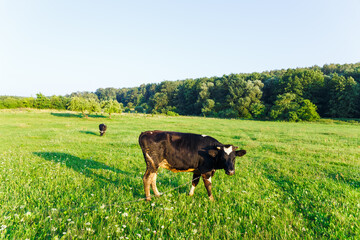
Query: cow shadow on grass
point(68, 115)
point(168, 182)
point(76, 115)
point(87, 167)
point(89, 133)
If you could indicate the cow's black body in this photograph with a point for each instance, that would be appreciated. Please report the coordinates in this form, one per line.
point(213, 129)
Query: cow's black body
point(102, 128)
point(185, 152)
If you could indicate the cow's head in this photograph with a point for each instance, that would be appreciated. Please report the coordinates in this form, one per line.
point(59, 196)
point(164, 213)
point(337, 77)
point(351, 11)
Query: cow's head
point(226, 155)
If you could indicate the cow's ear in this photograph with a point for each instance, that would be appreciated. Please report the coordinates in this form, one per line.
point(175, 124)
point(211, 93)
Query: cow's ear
point(240, 153)
point(212, 152)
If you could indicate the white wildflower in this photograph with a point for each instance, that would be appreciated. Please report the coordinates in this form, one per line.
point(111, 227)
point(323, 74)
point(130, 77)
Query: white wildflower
point(124, 226)
point(125, 214)
point(87, 224)
point(138, 235)
point(28, 214)
point(153, 204)
point(53, 229)
point(162, 226)
point(147, 229)
point(103, 206)
point(195, 231)
point(3, 227)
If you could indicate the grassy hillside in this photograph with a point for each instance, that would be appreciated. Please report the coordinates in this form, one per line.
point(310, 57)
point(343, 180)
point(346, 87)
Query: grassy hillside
point(60, 179)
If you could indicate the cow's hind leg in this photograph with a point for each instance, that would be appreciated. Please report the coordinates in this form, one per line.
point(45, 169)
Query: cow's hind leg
point(153, 184)
point(147, 181)
point(207, 182)
point(195, 181)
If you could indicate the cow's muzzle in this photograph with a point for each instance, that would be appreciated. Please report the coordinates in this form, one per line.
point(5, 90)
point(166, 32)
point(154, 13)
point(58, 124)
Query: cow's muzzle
point(231, 172)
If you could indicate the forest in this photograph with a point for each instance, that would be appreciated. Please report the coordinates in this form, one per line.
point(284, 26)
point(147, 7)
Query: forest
point(301, 94)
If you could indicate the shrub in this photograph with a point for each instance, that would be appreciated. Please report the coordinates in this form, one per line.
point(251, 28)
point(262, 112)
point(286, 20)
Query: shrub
point(139, 109)
point(307, 111)
point(171, 113)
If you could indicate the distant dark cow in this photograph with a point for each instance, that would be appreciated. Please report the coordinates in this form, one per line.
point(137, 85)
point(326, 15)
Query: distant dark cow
point(102, 128)
point(185, 152)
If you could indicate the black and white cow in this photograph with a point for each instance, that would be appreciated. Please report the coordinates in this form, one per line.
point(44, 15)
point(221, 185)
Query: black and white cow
point(185, 152)
point(102, 128)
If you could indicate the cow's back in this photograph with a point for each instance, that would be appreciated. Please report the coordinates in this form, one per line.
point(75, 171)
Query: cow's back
point(175, 151)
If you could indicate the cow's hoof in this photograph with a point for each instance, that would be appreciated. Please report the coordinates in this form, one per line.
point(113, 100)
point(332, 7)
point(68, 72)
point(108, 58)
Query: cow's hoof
point(211, 198)
point(148, 199)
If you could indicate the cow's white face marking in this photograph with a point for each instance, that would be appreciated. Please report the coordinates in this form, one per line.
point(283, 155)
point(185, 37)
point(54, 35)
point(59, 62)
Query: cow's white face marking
point(209, 179)
point(228, 150)
point(204, 135)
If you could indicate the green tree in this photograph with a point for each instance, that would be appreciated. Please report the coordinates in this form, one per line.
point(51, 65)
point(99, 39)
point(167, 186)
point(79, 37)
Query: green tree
point(208, 106)
point(28, 102)
point(42, 102)
point(159, 103)
point(285, 108)
point(93, 106)
point(79, 104)
point(307, 111)
point(112, 106)
point(186, 96)
point(343, 95)
point(257, 110)
point(243, 94)
point(58, 102)
point(289, 107)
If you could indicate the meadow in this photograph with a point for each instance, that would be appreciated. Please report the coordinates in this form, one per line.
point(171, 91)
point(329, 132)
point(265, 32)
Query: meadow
point(60, 180)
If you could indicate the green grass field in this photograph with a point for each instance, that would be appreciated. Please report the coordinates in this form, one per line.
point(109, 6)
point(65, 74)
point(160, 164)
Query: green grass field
point(59, 179)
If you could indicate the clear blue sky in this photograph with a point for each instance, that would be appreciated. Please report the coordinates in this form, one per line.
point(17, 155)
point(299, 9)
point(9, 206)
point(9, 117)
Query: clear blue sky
point(59, 47)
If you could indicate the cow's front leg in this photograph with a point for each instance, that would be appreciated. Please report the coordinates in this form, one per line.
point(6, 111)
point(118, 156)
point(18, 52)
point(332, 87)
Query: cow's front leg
point(195, 181)
point(207, 182)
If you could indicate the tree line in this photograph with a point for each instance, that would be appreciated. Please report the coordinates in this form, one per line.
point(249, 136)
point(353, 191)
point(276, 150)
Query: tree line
point(301, 94)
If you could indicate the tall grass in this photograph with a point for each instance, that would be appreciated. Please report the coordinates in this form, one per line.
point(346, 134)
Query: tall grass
point(59, 179)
